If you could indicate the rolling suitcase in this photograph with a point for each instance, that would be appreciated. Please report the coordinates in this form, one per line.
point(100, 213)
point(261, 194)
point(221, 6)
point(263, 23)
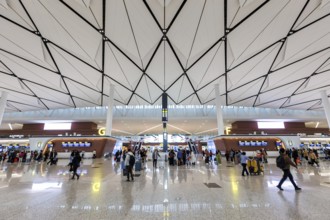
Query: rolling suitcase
point(138, 166)
point(125, 171)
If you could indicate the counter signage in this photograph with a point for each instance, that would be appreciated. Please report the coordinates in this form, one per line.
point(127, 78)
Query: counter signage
point(16, 136)
point(252, 143)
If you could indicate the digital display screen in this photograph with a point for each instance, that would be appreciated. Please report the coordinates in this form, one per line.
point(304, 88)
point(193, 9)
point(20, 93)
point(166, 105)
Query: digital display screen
point(76, 144)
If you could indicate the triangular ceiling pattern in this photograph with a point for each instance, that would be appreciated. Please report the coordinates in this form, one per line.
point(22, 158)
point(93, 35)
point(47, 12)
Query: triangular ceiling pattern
point(119, 68)
point(164, 70)
point(184, 29)
point(319, 81)
point(171, 7)
point(145, 30)
point(280, 92)
point(209, 30)
point(14, 11)
point(253, 69)
point(245, 91)
point(61, 51)
point(301, 70)
point(313, 11)
point(61, 26)
point(91, 10)
point(74, 69)
point(146, 85)
point(208, 68)
point(238, 10)
point(118, 29)
point(83, 92)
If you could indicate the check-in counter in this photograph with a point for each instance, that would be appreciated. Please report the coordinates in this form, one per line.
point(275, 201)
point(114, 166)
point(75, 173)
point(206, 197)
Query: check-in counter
point(66, 155)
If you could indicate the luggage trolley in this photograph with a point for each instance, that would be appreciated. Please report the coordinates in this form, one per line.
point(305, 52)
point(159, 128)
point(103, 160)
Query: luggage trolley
point(254, 166)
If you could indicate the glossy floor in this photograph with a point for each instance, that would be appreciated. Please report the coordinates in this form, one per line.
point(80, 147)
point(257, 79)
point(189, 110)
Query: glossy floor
point(40, 191)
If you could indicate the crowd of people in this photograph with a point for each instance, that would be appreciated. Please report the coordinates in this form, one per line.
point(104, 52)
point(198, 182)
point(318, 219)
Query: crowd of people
point(13, 156)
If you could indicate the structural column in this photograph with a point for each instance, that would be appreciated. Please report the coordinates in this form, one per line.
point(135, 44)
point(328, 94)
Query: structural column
point(326, 106)
point(164, 120)
point(108, 125)
point(219, 110)
point(3, 101)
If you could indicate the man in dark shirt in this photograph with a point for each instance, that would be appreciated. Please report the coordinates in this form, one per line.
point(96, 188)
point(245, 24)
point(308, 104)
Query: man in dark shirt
point(286, 170)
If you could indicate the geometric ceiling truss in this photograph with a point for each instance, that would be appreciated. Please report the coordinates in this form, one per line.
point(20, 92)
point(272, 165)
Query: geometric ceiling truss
point(62, 54)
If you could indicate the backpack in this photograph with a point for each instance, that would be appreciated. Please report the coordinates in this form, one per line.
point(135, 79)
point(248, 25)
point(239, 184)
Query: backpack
point(131, 160)
point(280, 162)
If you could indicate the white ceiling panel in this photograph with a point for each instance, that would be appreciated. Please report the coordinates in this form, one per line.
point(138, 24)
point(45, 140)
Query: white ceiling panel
point(90, 10)
point(171, 7)
point(18, 41)
point(249, 101)
point(4, 69)
point(271, 104)
point(245, 91)
point(121, 94)
point(209, 30)
point(314, 10)
point(280, 92)
point(185, 89)
point(30, 72)
point(307, 41)
point(240, 9)
point(49, 93)
point(14, 11)
point(136, 100)
point(299, 106)
point(84, 92)
point(302, 98)
point(206, 94)
point(252, 69)
point(74, 69)
point(170, 65)
point(150, 47)
point(147, 85)
point(125, 70)
point(60, 25)
point(146, 32)
point(16, 97)
point(118, 29)
point(25, 107)
point(185, 27)
point(325, 66)
point(301, 70)
point(82, 103)
point(12, 83)
point(55, 105)
point(210, 67)
point(259, 33)
point(319, 81)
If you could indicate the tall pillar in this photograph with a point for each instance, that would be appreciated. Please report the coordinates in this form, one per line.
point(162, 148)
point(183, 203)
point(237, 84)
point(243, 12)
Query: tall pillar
point(326, 106)
point(3, 101)
point(108, 125)
point(219, 110)
point(164, 120)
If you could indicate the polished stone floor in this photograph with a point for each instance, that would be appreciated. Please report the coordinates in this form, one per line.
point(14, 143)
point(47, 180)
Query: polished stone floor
point(40, 191)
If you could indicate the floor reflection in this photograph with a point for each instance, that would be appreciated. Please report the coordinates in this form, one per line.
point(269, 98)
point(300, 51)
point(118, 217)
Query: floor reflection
point(163, 193)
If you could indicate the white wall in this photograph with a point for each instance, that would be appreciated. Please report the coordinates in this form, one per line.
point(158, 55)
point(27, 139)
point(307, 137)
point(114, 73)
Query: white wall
point(38, 143)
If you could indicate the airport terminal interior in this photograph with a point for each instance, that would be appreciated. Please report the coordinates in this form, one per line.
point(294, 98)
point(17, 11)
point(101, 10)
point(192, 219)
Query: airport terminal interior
point(38, 191)
point(204, 78)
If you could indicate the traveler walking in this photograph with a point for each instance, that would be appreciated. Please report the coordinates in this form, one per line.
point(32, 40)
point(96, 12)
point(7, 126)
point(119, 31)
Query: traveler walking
point(129, 163)
point(283, 161)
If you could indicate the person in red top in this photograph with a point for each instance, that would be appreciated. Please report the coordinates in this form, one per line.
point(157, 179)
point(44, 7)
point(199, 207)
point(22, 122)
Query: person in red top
point(286, 171)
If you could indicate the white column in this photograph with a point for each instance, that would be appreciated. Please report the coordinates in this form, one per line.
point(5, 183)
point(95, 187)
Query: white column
point(219, 110)
point(326, 105)
point(108, 125)
point(3, 101)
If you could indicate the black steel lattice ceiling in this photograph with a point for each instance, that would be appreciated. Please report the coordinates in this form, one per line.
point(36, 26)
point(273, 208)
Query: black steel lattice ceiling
point(66, 53)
